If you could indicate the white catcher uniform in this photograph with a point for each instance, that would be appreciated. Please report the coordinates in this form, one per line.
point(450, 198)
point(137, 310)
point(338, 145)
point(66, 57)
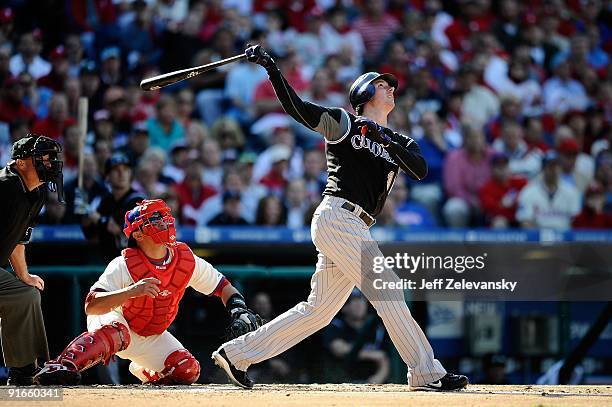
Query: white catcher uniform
point(148, 352)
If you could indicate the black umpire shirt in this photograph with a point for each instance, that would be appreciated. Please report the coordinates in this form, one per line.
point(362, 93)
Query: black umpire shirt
point(19, 208)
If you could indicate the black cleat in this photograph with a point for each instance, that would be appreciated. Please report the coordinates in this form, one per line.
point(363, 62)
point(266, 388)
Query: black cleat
point(56, 374)
point(449, 382)
point(238, 377)
point(21, 376)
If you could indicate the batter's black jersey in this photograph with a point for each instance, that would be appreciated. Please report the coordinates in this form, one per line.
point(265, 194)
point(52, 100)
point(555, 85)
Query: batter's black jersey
point(359, 169)
point(19, 208)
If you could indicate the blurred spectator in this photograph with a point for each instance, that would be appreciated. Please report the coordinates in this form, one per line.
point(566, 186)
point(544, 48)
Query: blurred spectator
point(102, 151)
point(270, 212)
point(70, 142)
point(104, 224)
point(499, 196)
point(494, 369)
point(164, 128)
point(435, 144)
point(16, 131)
point(28, 58)
point(320, 91)
point(356, 342)
point(230, 138)
point(57, 121)
point(212, 160)
point(534, 134)
point(409, 212)
point(426, 96)
point(195, 134)
point(79, 203)
point(12, 107)
point(230, 215)
point(157, 157)
point(473, 18)
point(568, 152)
point(90, 86)
point(55, 80)
point(524, 161)
point(115, 102)
point(146, 181)
point(240, 84)
point(74, 54)
point(583, 163)
point(309, 44)
point(137, 144)
point(466, 170)
point(5, 56)
point(233, 183)
point(275, 180)
point(192, 193)
point(283, 136)
point(185, 106)
point(593, 215)
point(562, 93)
point(253, 191)
point(315, 175)
point(296, 203)
point(509, 112)
point(180, 158)
point(507, 28)
point(374, 25)
point(110, 67)
point(338, 34)
point(137, 38)
point(546, 202)
point(479, 103)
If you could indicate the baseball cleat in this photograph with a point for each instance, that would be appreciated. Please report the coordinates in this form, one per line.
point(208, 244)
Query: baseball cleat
point(238, 377)
point(449, 382)
point(21, 376)
point(56, 374)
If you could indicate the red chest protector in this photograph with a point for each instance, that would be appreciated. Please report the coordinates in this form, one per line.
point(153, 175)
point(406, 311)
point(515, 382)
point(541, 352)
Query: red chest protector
point(151, 316)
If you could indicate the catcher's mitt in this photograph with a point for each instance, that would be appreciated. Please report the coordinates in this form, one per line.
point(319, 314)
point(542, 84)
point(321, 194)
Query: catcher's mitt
point(243, 321)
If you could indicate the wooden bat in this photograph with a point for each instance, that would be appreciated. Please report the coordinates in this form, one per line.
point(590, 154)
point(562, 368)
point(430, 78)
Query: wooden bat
point(166, 79)
point(82, 123)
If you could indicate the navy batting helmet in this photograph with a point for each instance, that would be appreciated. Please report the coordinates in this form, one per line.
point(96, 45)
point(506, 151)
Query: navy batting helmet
point(362, 89)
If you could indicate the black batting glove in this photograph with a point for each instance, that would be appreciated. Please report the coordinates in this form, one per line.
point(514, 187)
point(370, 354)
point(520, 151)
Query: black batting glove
point(257, 55)
point(373, 130)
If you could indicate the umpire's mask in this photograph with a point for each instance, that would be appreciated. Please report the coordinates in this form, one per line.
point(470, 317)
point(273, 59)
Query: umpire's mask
point(48, 170)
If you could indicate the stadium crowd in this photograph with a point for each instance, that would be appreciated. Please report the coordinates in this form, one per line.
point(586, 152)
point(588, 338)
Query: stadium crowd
point(510, 102)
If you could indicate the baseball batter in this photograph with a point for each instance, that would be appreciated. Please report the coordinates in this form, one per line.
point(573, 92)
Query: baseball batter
point(137, 297)
point(363, 160)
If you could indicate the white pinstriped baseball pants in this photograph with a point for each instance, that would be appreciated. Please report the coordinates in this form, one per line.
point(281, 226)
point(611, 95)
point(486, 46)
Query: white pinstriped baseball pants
point(343, 242)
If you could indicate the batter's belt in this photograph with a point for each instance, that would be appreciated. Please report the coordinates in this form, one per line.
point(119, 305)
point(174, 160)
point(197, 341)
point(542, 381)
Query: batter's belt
point(363, 215)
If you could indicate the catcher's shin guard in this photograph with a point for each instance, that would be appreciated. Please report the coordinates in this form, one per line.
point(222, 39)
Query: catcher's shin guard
point(180, 367)
point(85, 351)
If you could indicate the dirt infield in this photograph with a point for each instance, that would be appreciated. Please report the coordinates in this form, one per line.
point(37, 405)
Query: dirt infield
point(329, 395)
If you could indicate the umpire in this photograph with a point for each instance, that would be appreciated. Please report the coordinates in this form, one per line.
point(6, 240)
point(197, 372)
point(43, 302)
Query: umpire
point(35, 165)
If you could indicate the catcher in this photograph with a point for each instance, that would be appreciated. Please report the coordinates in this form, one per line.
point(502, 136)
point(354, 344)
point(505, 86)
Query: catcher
point(137, 297)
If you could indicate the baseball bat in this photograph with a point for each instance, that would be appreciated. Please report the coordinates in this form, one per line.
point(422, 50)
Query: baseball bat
point(82, 123)
point(169, 78)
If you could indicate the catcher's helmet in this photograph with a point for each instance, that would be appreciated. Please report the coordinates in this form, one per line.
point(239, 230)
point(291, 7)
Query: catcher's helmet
point(153, 218)
point(362, 89)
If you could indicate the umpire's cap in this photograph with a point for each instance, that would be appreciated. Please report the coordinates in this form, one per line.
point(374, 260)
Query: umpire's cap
point(362, 89)
point(115, 160)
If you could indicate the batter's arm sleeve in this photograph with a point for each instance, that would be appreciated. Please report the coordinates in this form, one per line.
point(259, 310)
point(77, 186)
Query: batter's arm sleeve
point(407, 153)
point(332, 123)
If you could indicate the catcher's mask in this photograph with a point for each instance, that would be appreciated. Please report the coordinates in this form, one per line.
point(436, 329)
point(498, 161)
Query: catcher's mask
point(49, 170)
point(152, 217)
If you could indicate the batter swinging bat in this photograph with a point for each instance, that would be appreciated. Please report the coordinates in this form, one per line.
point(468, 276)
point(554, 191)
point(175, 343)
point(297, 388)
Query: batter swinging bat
point(166, 79)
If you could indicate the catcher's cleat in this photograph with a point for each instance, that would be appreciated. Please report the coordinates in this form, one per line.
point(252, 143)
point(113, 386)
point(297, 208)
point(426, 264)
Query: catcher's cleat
point(449, 382)
point(238, 377)
point(56, 374)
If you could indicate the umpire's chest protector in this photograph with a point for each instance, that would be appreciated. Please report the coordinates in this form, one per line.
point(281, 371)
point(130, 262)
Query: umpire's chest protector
point(152, 316)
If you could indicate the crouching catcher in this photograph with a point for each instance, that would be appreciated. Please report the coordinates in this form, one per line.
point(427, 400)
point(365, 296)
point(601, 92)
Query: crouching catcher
point(137, 297)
